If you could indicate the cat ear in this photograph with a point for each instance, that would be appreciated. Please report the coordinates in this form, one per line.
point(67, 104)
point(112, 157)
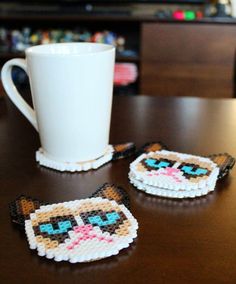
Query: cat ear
point(21, 208)
point(112, 192)
point(152, 147)
point(224, 161)
point(123, 150)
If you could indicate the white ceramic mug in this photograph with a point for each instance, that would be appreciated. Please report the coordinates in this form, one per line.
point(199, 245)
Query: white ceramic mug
point(71, 86)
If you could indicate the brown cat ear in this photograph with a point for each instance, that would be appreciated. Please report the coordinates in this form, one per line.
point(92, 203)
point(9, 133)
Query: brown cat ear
point(123, 150)
point(21, 208)
point(152, 147)
point(224, 161)
point(112, 192)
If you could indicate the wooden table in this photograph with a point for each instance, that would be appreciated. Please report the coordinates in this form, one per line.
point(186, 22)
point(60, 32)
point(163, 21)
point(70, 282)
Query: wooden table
point(189, 241)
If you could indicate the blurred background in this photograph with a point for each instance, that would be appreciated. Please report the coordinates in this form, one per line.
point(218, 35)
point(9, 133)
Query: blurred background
point(163, 48)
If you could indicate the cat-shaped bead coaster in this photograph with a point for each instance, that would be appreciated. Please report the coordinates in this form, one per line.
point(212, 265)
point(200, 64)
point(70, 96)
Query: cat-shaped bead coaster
point(78, 231)
point(175, 175)
point(113, 152)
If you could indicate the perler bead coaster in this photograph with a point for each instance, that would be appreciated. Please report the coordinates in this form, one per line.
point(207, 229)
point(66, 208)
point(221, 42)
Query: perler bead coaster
point(80, 230)
point(175, 175)
point(113, 152)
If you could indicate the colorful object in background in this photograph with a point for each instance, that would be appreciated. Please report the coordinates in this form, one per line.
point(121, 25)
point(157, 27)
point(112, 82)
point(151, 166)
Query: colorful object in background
point(178, 15)
point(105, 37)
point(188, 15)
point(125, 73)
point(78, 231)
point(19, 40)
point(199, 15)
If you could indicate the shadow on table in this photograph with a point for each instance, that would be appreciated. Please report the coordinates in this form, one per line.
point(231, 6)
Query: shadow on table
point(174, 206)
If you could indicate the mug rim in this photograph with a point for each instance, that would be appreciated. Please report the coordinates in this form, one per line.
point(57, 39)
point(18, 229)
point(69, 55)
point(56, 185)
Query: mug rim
point(36, 50)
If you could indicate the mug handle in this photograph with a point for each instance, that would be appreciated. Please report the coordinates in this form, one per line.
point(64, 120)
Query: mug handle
point(12, 92)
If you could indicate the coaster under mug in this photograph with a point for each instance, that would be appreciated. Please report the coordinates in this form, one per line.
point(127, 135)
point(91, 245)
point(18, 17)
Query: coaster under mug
point(113, 152)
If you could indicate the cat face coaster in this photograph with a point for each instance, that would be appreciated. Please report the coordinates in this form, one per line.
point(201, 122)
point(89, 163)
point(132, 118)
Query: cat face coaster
point(80, 230)
point(113, 152)
point(175, 175)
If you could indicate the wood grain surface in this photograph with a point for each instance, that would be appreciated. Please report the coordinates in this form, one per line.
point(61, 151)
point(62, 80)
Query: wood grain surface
point(188, 60)
point(188, 241)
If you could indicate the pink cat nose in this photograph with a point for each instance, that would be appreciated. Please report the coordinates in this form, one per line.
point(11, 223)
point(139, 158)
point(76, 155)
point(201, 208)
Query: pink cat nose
point(171, 173)
point(84, 229)
point(171, 170)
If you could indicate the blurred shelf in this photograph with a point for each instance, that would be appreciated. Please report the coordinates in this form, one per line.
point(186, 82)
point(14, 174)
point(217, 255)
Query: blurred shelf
point(143, 32)
point(134, 59)
point(73, 17)
point(8, 55)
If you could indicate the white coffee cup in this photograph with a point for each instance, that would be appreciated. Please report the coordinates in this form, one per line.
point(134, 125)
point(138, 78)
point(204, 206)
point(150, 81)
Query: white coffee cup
point(71, 86)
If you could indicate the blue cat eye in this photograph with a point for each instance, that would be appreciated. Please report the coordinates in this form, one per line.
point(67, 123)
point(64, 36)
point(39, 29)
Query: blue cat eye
point(63, 227)
point(157, 164)
point(112, 217)
point(190, 170)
